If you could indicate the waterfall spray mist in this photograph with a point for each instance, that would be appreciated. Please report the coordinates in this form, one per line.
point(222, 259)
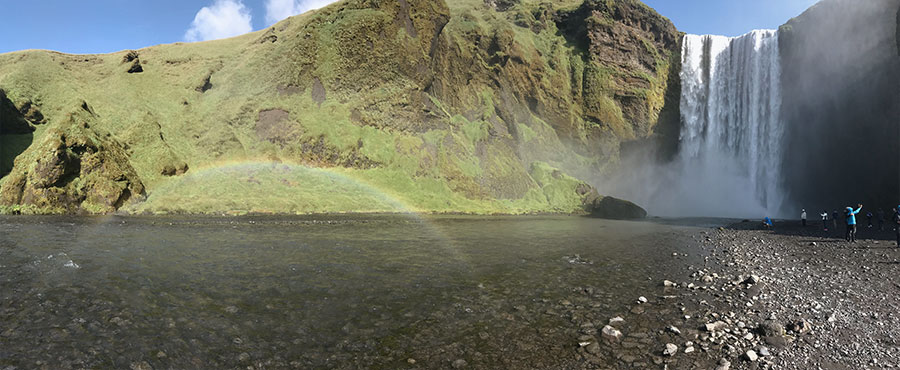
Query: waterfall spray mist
point(731, 144)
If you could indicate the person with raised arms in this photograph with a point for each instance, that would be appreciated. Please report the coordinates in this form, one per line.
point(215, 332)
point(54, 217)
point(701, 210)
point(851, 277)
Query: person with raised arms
point(850, 215)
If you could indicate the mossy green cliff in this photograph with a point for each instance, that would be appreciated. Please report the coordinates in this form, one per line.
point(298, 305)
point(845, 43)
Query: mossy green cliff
point(476, 106)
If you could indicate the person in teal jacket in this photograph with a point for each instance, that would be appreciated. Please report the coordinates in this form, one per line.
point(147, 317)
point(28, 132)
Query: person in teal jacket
point(850, 214)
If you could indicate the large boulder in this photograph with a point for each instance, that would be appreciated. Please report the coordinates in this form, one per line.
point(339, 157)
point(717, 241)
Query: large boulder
point(615, 209)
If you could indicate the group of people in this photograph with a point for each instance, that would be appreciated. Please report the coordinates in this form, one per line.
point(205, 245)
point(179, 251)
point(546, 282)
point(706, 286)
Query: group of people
point(850, 219)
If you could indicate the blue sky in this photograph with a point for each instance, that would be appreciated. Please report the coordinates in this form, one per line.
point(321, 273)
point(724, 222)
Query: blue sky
point(729, 17)
point(103, 26)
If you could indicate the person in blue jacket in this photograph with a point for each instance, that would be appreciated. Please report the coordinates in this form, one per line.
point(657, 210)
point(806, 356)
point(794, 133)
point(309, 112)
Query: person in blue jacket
point(850, 214)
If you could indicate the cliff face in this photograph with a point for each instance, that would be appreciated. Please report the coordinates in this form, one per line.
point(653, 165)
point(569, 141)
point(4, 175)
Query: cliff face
point(841, 86)
point(459, 106)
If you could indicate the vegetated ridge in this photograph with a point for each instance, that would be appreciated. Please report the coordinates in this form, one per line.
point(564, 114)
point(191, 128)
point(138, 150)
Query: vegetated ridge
point(475, 106)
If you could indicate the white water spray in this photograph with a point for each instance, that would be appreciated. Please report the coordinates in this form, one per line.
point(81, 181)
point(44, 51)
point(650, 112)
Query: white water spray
point(731, 142)
point(732, 137)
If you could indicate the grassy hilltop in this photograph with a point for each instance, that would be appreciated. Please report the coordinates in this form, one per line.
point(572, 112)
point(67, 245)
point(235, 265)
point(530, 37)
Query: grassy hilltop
point(477, 106)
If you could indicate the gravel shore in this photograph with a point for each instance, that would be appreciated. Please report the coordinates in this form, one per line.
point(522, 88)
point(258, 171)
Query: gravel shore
point(790, 298)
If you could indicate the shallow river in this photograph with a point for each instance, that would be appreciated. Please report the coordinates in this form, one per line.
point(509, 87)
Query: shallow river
point(340, 292)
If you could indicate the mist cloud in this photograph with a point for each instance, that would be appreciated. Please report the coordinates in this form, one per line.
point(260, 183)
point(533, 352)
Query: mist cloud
point(277, 10)
point(225, 18)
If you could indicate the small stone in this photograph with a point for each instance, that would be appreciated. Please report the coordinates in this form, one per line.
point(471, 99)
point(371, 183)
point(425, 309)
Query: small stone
point(610, 333)
point(689, 350)
point(616, 320)
point(832, 317)
point(669, 284)
point(670, 350)
point(231, 309)
point(751, 355)
point(770, 328)
point(243, 357)
point(723, 365)
point(459, 364)
point(411, 361)
point(711, 327)
point(801, 326)
point(642, 299)
point(160, 354)
point(593, 348)
point(752, 279)
point(143, 365)
point(763, 351)
point(673, 330)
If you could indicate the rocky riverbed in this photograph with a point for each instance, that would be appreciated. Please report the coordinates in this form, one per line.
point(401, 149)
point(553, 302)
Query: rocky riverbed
point(793, 298)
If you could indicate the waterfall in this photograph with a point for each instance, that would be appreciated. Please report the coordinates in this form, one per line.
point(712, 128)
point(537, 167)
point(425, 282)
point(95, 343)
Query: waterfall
point(731, 141)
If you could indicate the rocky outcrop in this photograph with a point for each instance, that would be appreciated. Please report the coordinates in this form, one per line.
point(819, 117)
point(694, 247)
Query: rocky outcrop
point(615, 209)
point(630, 52)
point(841, 72)
point(72, 169)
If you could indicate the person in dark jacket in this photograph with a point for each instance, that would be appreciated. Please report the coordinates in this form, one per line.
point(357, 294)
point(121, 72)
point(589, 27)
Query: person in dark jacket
point(850, 215)
point(824, 215)
point(869, 218)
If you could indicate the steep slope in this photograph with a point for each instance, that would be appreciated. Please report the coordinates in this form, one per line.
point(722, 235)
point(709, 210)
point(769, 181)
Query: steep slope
point(841, 87)
point(411, 105)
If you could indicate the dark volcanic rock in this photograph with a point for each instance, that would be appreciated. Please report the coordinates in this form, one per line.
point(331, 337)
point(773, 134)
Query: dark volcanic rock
point(841, 73)
point(616, 209)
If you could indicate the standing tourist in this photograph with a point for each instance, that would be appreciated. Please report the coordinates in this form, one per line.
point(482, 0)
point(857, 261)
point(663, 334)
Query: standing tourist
point(803, 217)
point(851, 223)
point(824, 215)
point(834, 218)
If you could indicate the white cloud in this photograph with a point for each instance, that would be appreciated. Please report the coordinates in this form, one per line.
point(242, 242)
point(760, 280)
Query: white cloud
point(277, 10)
point(225, 18)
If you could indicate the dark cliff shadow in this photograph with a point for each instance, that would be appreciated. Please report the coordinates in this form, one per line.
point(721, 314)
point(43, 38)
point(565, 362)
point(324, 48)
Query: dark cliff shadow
point(11, 146)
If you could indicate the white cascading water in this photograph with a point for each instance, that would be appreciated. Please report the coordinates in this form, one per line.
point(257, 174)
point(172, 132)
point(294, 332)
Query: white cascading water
point(731, 143)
